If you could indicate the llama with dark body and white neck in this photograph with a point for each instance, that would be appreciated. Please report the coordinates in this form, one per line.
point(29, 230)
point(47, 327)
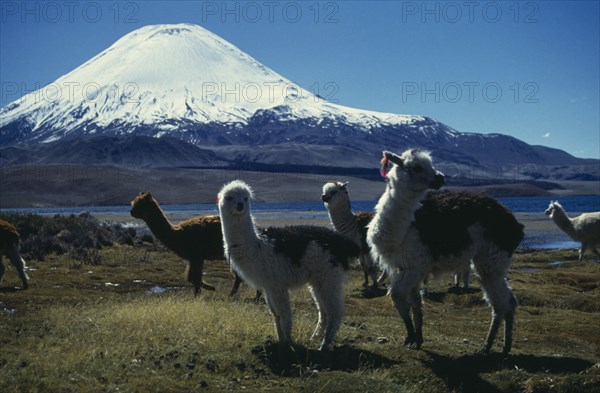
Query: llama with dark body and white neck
point(276, 260)
point(352, 225)
point(584, 228)
point(413, 237)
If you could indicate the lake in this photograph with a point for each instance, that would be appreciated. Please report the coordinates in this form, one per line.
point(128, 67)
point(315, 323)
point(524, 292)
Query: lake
point(547, 237)
point(573, 204)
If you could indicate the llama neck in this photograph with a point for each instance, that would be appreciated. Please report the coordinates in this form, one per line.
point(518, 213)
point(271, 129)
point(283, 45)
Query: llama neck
point(160, 225)
point(560, 218)
point(395, 214)
point(239, 234)
point(343, 220)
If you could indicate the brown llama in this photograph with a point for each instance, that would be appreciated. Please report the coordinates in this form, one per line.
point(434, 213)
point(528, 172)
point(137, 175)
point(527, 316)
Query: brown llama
point(10, 241)
point(195, 240)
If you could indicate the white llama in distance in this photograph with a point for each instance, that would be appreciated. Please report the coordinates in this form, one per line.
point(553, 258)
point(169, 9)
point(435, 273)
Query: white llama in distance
point(584, 228)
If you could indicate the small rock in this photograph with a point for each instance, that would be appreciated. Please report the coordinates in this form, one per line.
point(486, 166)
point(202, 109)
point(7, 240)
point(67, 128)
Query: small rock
point(382, 340)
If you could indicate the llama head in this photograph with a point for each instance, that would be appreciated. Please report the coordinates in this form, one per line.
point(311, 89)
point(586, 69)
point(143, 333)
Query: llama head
point(141, 205)
point(335, 194)
point(234, 198)
point(412, 170)
point(554, 205)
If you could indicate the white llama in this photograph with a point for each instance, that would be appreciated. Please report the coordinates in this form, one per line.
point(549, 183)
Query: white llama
point(352, 225)
point(413, 237)
point(278, 259)
point(584, 228)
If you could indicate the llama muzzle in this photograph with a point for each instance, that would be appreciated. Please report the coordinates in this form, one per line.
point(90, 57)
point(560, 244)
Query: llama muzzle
point(438, 181)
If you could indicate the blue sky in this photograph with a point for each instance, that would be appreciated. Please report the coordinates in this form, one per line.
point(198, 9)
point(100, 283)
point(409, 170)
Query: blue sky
point(527, 69)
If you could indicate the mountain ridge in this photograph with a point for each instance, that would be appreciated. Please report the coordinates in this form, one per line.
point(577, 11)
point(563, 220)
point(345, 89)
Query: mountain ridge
point(184, 82)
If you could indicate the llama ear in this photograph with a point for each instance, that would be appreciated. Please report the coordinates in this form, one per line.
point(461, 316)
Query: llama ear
point(388, 157)
point(344, 184)
point(396, 159)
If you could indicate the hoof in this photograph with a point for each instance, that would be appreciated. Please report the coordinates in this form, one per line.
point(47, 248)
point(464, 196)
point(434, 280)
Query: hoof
point(483, 351)
point(413, 343)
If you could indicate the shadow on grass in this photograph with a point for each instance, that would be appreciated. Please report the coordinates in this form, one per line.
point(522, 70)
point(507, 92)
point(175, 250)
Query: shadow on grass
point(462, 373)
point(370, 293)
point(11, 289)
point(440, 297)
point(298, 360)
point(461, 290)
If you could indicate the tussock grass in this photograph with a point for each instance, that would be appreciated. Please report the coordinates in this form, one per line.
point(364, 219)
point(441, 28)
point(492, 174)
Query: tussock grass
point(73, 332)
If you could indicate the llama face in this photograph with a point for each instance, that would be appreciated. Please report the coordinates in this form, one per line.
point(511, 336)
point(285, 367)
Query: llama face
point(140, 205)
point(335, 193)
point(550, 210)
point(234, 198)
point(415, 170)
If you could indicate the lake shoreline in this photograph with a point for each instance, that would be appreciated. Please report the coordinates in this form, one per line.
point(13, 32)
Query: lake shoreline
point(540, 232)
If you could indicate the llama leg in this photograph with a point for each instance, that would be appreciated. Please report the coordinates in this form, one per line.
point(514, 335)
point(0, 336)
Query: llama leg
point(416, 305)
point(424, 290)
point(466, 276)
point(503, 303)
point(279, 304)
point(201, 277)
point(19, 264)
point(2, 269)
point(509, 323)
point(372, 270)
point(334, 308)
point(403, 284)
point(236, 284)
point(382, 278)
point(195, 272)
point(317, 294)
point(373, 273)
point(582, 251)
point(365, 268)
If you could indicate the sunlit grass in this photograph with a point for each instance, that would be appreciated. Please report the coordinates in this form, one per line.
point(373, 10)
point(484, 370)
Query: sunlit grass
point(73, 332)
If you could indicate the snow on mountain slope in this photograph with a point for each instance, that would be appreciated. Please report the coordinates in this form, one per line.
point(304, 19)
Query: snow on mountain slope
point(184, 82)
point(162, 75)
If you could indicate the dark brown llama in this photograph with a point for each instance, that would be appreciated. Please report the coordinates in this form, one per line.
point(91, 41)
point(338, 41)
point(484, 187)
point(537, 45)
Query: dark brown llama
point(10, 241)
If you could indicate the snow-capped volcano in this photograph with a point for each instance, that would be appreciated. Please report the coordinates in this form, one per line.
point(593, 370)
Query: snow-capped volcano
point(185, 82)
point(162, 75)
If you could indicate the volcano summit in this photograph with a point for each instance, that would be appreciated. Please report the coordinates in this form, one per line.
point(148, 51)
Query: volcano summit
point(184, 82)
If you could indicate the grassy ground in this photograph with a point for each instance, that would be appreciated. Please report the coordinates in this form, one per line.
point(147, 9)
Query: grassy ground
point(86, 327)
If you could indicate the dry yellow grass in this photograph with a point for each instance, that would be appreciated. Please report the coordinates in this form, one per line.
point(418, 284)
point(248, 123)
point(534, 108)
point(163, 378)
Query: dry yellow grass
point(71, 332)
